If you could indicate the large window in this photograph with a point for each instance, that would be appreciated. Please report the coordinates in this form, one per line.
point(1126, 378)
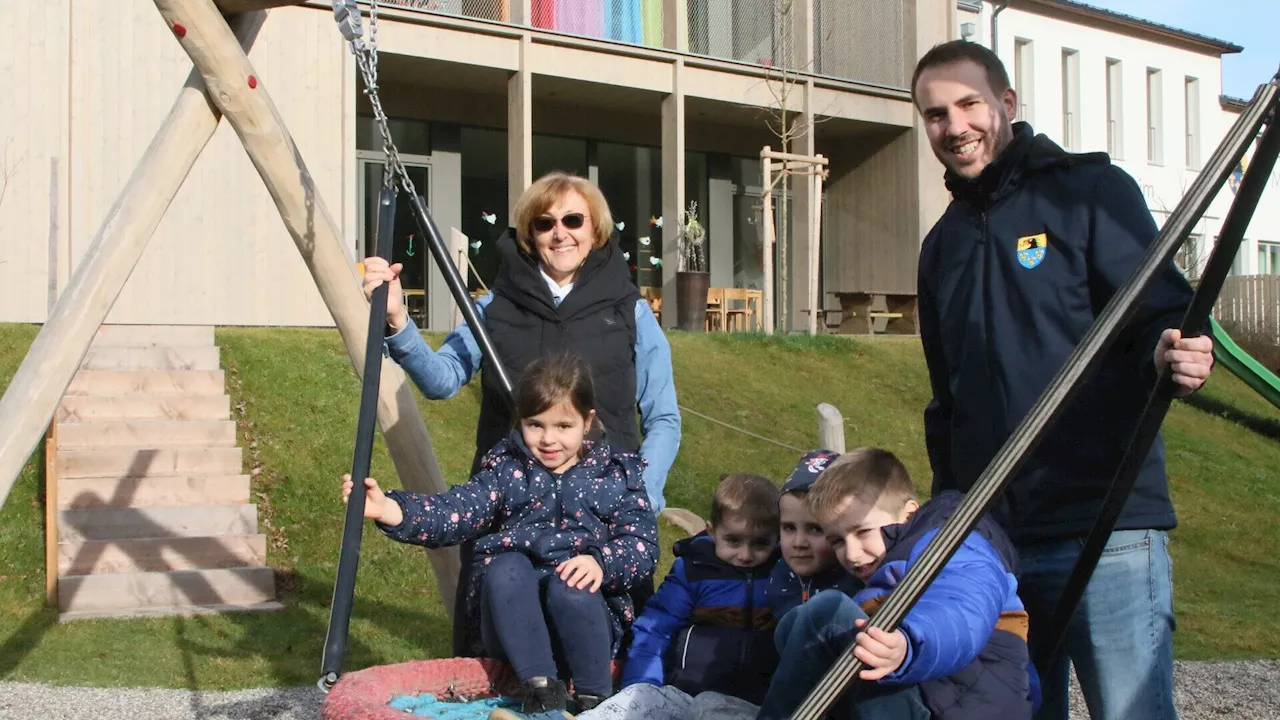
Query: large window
point(630, 176)
point(1115, 104)
point(1023, 78)
point(1155, 117)
point(1070, 99)
point(413, 141)
point(1192, 101)
point(1188, 257)
point(484, 199)
point(1268, 258)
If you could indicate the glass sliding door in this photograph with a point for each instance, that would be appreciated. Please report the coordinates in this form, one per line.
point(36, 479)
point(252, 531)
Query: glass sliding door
point(409, 247)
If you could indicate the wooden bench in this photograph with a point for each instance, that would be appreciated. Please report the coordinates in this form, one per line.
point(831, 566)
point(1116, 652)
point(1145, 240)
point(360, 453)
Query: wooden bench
point(894, 313)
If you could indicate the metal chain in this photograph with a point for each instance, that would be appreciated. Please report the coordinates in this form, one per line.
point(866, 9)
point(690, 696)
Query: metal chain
point(347, 14)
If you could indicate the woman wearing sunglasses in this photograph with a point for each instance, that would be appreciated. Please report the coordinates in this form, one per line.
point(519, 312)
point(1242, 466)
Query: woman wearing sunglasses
point(562, 284)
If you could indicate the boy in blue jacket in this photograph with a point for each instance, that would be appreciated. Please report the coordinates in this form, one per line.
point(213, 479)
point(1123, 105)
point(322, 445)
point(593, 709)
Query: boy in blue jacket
point(708, 626)
point(960, 653)
point(808, 565)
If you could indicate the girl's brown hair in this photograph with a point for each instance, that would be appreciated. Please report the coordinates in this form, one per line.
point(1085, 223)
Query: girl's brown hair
point(546, 191)
point(552, 379)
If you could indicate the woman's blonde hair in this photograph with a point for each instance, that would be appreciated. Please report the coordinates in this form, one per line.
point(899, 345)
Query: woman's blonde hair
point(544, 193)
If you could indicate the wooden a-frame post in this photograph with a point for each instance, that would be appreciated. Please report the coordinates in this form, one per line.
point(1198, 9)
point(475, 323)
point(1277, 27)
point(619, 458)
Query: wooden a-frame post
point(223, 83)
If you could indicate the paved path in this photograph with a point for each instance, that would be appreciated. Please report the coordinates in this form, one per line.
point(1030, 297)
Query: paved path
point(1240, 691)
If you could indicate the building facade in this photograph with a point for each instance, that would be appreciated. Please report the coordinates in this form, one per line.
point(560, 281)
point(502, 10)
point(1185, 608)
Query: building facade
point(663, 103)
point(1150, 95)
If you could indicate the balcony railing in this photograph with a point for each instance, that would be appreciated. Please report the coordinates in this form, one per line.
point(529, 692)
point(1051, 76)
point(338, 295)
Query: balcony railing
point(861, 40)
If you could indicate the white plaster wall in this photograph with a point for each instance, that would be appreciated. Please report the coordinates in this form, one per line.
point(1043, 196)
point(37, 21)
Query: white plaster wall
point(1163, 184)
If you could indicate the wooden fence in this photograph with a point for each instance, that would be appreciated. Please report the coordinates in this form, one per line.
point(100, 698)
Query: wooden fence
point(1250, 306)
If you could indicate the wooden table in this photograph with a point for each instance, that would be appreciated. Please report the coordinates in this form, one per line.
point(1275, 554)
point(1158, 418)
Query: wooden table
point(860, 311)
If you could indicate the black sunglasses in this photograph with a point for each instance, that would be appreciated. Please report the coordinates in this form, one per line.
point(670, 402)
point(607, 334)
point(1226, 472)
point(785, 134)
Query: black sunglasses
point(545, 223)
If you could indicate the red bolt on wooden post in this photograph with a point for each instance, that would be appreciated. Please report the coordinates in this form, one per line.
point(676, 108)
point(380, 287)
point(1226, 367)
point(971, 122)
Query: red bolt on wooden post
point(253, 82)
point(179, 30)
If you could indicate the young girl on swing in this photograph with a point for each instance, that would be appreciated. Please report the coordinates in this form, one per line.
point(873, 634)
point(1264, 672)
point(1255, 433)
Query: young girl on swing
point(563, 528)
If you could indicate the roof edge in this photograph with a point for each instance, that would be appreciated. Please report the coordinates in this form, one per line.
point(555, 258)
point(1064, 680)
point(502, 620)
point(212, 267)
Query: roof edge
point(1232, 104)
point(1204, 42)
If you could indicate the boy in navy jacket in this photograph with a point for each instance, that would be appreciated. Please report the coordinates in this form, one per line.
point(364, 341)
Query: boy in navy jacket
point(960, 653)
point(708, 626)
point(808, 564)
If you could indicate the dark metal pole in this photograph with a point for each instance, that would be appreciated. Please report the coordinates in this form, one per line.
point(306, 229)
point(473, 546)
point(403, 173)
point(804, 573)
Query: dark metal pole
point(335, 644)
point(1197, 316)
point(458, 289)
point(1081, 363)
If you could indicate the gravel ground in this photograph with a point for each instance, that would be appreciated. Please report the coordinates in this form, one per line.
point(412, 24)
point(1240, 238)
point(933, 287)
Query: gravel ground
point(1238, 690)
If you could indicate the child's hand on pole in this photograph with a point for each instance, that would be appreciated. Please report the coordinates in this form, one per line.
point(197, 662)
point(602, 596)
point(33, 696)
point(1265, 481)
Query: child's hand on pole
point(581, 572)
point(883, 653)
point(376, 504)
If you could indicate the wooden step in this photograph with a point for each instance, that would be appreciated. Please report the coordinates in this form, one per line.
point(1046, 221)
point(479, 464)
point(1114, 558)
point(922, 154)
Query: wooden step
point(91, 408)
point(115, 523)
point(156, 491)
point(153, 335)
point(86, 557)
point(146, 433)
point(141, 462)
point(173, 611)
point(164, 592)
point(149, 382)
point(151, 358)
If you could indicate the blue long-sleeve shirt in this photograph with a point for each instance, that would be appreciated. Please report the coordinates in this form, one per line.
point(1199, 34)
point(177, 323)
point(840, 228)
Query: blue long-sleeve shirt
point(439, 374)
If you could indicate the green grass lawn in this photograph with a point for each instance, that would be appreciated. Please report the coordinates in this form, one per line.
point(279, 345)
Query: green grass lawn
point(296, 399)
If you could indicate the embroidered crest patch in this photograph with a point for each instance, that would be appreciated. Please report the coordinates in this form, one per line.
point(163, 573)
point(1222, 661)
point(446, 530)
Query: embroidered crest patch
point(1031, 250)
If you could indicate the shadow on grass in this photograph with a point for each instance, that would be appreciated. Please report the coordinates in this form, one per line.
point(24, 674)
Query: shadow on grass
point(23, 640)
point(291, 640)
point(1266, 427)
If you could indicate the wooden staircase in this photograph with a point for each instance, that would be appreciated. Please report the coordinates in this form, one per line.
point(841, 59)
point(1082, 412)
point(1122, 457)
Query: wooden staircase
point(153, 511)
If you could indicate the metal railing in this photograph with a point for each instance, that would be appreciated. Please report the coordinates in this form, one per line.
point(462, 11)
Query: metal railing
point(753, 31)
point(639, 22)
point(861, 40)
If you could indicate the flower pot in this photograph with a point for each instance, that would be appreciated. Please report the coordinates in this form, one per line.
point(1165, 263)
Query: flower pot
point(691, 300)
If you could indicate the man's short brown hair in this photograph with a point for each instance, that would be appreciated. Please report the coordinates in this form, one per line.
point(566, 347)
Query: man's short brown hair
point(750, 497)
point(871, 475)
point(959, 50)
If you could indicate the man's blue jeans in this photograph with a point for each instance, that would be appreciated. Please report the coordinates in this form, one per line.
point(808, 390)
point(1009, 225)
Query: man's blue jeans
point(1121, 637)
point(810, 638)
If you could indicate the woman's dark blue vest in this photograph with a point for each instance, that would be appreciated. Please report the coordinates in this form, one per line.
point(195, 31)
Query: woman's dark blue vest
point(597, 320)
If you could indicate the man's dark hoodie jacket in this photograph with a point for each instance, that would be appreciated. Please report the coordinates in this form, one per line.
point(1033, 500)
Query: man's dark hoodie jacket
point(1011, 277)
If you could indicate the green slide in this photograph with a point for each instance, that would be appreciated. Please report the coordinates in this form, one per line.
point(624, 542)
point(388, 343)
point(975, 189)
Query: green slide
point(1229, 355)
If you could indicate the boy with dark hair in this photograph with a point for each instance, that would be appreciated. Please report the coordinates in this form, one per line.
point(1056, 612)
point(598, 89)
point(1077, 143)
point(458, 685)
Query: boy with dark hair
point(708, 626)
point(960, 653)
point(808, 564)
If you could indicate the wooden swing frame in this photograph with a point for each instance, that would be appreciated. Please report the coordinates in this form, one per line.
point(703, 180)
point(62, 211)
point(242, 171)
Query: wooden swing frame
point(222, 83)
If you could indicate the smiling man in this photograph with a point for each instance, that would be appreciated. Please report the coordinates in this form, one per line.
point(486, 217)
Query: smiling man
point(1033, 245)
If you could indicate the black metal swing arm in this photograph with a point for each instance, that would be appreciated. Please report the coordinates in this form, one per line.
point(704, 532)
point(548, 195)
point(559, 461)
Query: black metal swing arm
point(1074, 372)
point(1197, 316)
point(335, 644)
point(353, 522)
